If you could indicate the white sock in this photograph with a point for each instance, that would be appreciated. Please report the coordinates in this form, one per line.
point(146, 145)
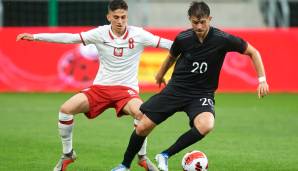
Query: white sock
point(143, 150)
point(65, 126)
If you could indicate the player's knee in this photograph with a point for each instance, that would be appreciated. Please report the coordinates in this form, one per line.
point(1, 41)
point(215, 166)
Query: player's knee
point(142, 130)
point(204, 122)
point(204, 127)
point(65, 109)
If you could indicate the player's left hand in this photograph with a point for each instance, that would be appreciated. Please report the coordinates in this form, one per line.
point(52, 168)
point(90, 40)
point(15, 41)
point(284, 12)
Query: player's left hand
point(263, 89)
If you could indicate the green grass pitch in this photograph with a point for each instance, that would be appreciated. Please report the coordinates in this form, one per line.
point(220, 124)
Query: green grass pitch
point(249, 135)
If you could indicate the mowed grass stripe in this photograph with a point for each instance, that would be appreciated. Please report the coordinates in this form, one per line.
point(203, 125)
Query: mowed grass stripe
point(250, 134)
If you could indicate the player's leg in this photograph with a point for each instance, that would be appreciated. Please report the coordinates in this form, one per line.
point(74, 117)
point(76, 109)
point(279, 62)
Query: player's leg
point(136, 141)
point(203, 124)
point(201, 113)
point(165, 106)
point(76, 104)
point(133, 108)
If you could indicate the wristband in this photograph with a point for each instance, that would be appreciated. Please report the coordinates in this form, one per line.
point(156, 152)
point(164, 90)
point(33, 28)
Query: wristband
point(262, 79)
point(35, 37)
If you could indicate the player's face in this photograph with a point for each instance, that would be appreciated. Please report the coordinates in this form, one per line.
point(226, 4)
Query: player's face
point(118, 20)
point(200, 25)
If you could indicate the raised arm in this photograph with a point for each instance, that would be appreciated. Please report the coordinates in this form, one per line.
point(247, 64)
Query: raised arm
point(263, 88)
point(168, 62)
point(66, 38)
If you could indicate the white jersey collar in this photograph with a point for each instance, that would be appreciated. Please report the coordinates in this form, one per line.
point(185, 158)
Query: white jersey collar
point(113, 36)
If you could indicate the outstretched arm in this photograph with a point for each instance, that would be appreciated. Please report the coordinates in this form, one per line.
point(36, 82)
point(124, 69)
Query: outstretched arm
point(66, 38)
point(165, 43)
point(168, 62)
point(263, 88)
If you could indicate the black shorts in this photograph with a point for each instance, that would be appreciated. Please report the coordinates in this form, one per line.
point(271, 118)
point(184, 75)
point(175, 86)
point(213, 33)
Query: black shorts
point(161, 106)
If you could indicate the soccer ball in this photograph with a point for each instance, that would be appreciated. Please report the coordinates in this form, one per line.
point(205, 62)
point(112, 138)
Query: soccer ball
point(195, 161)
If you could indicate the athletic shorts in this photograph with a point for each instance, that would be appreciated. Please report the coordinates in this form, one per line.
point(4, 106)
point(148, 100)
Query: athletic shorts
point(161, 106)
point(102, 97)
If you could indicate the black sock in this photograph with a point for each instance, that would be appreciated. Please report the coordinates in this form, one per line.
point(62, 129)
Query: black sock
point(134, 146)
point(188, 138)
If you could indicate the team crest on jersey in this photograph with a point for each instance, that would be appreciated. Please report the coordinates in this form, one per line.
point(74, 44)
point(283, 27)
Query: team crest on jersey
point(118, 52)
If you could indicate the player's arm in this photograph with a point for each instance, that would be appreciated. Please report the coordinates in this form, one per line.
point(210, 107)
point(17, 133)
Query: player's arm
point(165, 43)
point(175, 52)
point(166, 65)
point(263, 88)
point(149, 39)
point(66, 38)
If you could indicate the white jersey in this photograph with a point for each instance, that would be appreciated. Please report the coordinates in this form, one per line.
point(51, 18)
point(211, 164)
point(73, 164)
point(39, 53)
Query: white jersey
point(119, 57)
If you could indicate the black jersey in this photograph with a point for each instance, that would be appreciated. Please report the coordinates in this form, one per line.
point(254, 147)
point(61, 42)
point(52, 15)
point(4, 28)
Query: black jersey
point(198, 65)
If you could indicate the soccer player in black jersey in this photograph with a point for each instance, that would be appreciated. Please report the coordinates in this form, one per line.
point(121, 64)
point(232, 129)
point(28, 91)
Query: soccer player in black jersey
point(199, 54)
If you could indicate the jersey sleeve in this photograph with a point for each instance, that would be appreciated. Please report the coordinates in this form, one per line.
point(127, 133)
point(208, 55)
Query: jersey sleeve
point(93, 36)
point(58, 37)
point(176, 49)
point(236, 44)
point(148, 39)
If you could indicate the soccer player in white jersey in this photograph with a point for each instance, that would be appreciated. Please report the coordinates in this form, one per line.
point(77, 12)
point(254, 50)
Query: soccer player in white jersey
point(116, 85)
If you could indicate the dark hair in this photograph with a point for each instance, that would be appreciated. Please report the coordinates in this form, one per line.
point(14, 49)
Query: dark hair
point(117, 4)
point(198, 9)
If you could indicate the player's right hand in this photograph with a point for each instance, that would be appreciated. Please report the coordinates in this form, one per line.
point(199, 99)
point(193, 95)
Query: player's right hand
point(263, 89)
point(160, 80)
point(25, 36)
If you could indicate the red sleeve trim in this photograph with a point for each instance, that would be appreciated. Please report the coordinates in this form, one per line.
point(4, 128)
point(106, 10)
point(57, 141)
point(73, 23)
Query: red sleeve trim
point(82, 39)
point(157, 46)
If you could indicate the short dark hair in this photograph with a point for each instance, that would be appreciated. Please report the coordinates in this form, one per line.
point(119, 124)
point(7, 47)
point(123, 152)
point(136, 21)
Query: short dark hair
point(198, 9)
point(117, 4)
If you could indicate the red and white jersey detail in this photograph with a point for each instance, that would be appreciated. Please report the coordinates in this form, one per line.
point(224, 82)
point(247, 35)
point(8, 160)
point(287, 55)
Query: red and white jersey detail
point(119, 57)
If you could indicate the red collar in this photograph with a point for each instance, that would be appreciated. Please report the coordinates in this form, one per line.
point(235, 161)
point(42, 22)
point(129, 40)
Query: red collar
point(123, 37)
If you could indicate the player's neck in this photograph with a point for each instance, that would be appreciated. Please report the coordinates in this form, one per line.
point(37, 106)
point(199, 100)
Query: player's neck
point(203, 36)
point(118, 33)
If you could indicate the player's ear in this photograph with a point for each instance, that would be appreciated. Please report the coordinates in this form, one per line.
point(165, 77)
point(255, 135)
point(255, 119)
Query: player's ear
point(210, 18)
point(109, 17)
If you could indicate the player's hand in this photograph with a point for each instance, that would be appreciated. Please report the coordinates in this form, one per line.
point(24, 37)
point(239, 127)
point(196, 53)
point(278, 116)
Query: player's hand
point(160, 80)
point(25, 36)
point(263, 89)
